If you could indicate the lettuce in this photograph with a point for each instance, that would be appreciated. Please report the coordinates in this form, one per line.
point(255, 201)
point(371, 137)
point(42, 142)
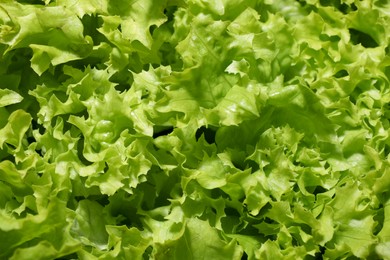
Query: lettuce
point(192, 129)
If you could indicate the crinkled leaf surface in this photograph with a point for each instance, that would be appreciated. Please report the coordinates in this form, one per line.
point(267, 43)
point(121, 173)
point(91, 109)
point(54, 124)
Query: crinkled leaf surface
point(193, 129)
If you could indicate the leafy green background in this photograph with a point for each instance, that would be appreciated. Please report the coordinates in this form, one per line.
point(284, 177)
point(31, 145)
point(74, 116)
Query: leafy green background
point(194, 129)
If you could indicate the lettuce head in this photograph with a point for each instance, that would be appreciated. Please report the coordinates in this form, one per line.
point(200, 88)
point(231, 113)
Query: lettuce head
point(193, 129)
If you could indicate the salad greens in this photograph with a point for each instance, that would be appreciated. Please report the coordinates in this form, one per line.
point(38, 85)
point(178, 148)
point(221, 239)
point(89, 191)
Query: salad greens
point(193, 129)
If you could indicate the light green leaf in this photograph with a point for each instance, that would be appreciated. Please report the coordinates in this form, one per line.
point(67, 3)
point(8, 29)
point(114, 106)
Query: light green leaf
point(16, 128)
point(9, 97)
point(211, 173)
point(200, 241)
point(89, 224)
